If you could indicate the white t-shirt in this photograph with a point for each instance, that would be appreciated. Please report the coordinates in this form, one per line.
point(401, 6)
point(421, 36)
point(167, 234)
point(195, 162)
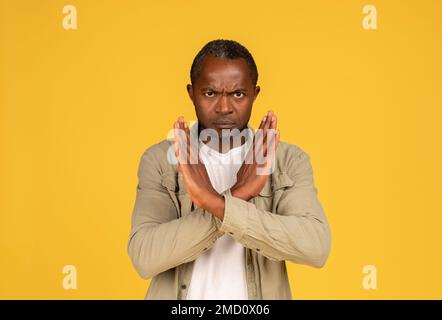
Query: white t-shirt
point(219, 273)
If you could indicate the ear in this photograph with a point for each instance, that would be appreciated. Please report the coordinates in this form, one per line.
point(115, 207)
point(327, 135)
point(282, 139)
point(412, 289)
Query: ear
point(257, 90)
point(190, 91)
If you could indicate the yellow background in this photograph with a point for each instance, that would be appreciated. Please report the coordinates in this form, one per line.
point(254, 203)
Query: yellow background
point(79, 107)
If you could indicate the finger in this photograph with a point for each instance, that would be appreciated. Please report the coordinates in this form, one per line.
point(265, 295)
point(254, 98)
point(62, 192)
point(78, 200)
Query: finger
point(258, 138)
point(259, 147)
point(266, 168)
point(268, 119)
point(184, 140)
point(176, 139)
point(273, 142)
point(186, 131)
point(249, 157)
point(273, 148)
point(265, 131)
point(273, 122)
point(261, 125)
point(192, 148)
point(264, 122)
point(271, 132)
point(185, 136)
point(181, 141)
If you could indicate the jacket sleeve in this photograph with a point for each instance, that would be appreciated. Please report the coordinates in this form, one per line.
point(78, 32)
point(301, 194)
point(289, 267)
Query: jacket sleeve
point(297, 232)
point(159, 240)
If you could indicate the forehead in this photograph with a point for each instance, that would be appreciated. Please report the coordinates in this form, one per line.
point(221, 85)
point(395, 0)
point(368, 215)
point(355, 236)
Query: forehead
point(219, 71)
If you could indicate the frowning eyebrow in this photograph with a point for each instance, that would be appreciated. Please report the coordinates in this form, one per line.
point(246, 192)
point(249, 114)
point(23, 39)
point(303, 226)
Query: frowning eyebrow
point(209, 88)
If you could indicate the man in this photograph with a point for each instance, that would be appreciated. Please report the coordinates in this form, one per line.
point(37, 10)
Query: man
point(212, 219)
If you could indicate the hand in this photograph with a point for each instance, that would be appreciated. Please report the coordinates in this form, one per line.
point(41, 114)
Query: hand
point(253, 174)
point(195, 175)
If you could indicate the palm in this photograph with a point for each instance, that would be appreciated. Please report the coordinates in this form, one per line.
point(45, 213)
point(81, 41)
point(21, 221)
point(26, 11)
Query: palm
point(253, 174)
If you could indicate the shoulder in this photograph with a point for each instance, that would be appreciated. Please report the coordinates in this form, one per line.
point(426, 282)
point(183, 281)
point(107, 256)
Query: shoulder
point(158, 158)
point(158, 150)
point(291, 158)
point(290, 153)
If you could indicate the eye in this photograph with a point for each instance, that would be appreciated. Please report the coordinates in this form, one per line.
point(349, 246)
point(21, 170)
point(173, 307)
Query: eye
point(209, 94)
point(238, 94)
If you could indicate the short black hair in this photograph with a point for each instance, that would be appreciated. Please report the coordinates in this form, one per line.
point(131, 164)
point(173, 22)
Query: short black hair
point(226, 49)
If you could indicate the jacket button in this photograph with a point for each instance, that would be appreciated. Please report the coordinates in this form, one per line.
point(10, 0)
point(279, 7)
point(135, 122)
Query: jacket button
point(183, 286)
point(257, 249)
point(231, 233)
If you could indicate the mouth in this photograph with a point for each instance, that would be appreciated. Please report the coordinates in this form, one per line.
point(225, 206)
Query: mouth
point(224, 124)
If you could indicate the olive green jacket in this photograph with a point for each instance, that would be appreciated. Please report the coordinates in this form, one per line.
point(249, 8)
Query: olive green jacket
point(284, 222)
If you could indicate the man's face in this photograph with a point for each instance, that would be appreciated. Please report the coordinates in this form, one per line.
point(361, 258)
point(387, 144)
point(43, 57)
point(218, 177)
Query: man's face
point(223, 94)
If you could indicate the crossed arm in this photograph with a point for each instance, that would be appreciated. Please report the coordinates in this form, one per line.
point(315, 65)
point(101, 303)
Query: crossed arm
point(249, 182)
point(299, 232)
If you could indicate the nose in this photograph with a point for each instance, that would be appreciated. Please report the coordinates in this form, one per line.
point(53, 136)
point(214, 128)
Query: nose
point(223, 105)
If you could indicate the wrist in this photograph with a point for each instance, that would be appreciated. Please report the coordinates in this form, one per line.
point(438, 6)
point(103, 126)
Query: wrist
point(215, 205)
point(240, 193)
